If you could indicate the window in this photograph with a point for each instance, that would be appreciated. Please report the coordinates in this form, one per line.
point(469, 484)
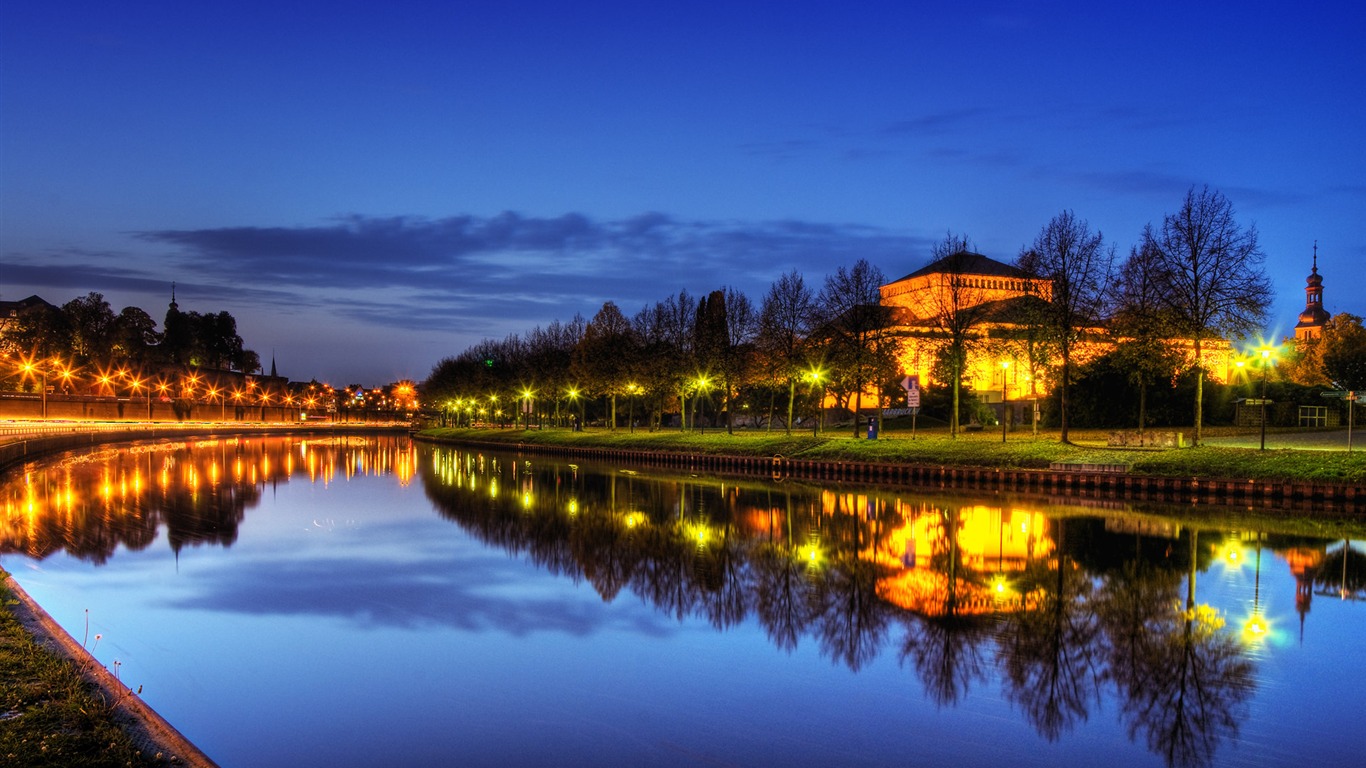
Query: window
point(1314, 416)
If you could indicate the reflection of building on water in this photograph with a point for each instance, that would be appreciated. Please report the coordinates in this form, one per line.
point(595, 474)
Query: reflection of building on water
point(91, 503)
point(961, 560)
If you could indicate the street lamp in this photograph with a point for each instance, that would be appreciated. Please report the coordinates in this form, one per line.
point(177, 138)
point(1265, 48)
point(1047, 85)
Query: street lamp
point(573, 395)
point(1005, 366)
point(222, 402)
point(29, 369)
point(703, 385)
point(631, 390)
point(526, 408)
point(815, 375)
point(1268, 359)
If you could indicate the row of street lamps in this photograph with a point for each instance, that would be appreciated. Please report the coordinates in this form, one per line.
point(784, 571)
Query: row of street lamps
point(44, 370)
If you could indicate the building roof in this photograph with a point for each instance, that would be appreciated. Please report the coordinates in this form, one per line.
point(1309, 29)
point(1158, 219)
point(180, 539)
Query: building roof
point(13, 308)
point(968, 263)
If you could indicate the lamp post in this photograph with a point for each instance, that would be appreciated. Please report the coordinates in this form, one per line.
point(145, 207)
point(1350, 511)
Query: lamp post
point(1267, 360)
point(526, 409)
point(29, 369)
point(815, 375)
point(631, 390)
point(1005, 365)
point(703, 385)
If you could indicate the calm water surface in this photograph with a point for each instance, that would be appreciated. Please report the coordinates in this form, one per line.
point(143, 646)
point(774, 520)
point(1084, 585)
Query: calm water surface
point(370, 601)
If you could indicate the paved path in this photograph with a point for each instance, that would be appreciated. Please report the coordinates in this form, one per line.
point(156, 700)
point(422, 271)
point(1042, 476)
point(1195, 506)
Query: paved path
point(1333, 440)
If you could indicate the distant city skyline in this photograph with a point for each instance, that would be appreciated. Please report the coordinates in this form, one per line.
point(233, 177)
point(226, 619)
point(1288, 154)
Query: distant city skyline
point(368, 191)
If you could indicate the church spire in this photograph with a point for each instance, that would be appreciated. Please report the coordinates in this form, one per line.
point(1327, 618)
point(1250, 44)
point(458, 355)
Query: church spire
point(1314, 316)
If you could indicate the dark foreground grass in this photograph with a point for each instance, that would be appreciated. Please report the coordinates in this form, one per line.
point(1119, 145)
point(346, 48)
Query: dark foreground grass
point(973, 449)
point(49, 716)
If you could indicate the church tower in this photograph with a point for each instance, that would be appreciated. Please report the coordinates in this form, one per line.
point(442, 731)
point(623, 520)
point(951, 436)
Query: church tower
point(1313, 317)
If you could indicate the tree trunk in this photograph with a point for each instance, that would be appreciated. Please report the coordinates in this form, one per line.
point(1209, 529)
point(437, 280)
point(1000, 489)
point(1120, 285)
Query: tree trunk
point(772, 397)
point(1199, 393)
point(1142, 404)
point(791, 395)
point(858, 405)
point(730, 415)
point(953, 414)
point(1062, 391)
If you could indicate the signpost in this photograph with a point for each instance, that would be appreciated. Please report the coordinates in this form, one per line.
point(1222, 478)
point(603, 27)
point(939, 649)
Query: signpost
point(912, 386)
point(1351, 398)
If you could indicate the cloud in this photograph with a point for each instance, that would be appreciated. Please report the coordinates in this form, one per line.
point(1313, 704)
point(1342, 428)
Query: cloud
point(936, 124)
point(469, 593)
point(448, 281)
point(496, 262)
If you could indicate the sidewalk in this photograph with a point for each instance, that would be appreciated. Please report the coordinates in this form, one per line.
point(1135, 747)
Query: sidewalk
point(1334, 440)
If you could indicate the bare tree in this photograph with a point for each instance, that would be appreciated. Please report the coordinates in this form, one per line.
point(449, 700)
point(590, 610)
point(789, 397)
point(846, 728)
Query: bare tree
point(954, 309)
point(741, 326)
point(605, 356)
point(1078, 264)
point(856, 323)
point(1211, 276)
point(784, 322)
point(1140, 325)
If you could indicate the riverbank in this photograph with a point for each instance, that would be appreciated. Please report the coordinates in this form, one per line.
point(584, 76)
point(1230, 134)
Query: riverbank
point(62, 708)
point(970, 450)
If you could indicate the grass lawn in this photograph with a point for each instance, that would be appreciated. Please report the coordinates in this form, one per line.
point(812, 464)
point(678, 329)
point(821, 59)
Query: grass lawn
point(49, 716)
point(935, 446)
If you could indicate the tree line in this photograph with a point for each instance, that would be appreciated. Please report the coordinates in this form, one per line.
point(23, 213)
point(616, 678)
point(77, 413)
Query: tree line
point(85, 334)
point(1194, 278)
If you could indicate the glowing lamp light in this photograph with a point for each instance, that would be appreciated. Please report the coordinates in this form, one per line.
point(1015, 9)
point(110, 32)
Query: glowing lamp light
point(811, 554)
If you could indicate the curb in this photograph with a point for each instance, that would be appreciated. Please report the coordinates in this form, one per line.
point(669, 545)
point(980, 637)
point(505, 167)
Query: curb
point(149, 731)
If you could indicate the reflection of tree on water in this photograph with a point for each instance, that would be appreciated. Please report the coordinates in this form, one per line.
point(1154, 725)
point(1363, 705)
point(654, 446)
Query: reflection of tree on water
point(1342, 573)
point(850, 620)
point(89, 504)
point(1048, 653)
point(1189, 681)
point(784, 592)
point(980, 590)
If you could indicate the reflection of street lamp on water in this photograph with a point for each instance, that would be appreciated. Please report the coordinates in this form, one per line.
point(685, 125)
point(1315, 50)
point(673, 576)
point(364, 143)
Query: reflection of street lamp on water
point(1256, 628)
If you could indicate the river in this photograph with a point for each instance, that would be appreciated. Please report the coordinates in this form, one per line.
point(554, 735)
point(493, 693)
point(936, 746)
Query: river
point(369, 601)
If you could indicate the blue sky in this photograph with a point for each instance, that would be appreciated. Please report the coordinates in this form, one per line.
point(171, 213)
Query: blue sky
point(369, 188)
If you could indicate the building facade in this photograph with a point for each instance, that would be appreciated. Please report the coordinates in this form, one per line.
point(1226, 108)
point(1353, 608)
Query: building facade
point(989, 304)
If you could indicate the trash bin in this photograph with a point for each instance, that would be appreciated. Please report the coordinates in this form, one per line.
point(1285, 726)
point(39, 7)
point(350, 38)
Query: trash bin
point(872, 427)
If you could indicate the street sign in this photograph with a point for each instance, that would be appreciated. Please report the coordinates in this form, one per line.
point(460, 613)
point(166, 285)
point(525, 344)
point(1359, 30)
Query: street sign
point(912, 386)
point(1341, 395)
